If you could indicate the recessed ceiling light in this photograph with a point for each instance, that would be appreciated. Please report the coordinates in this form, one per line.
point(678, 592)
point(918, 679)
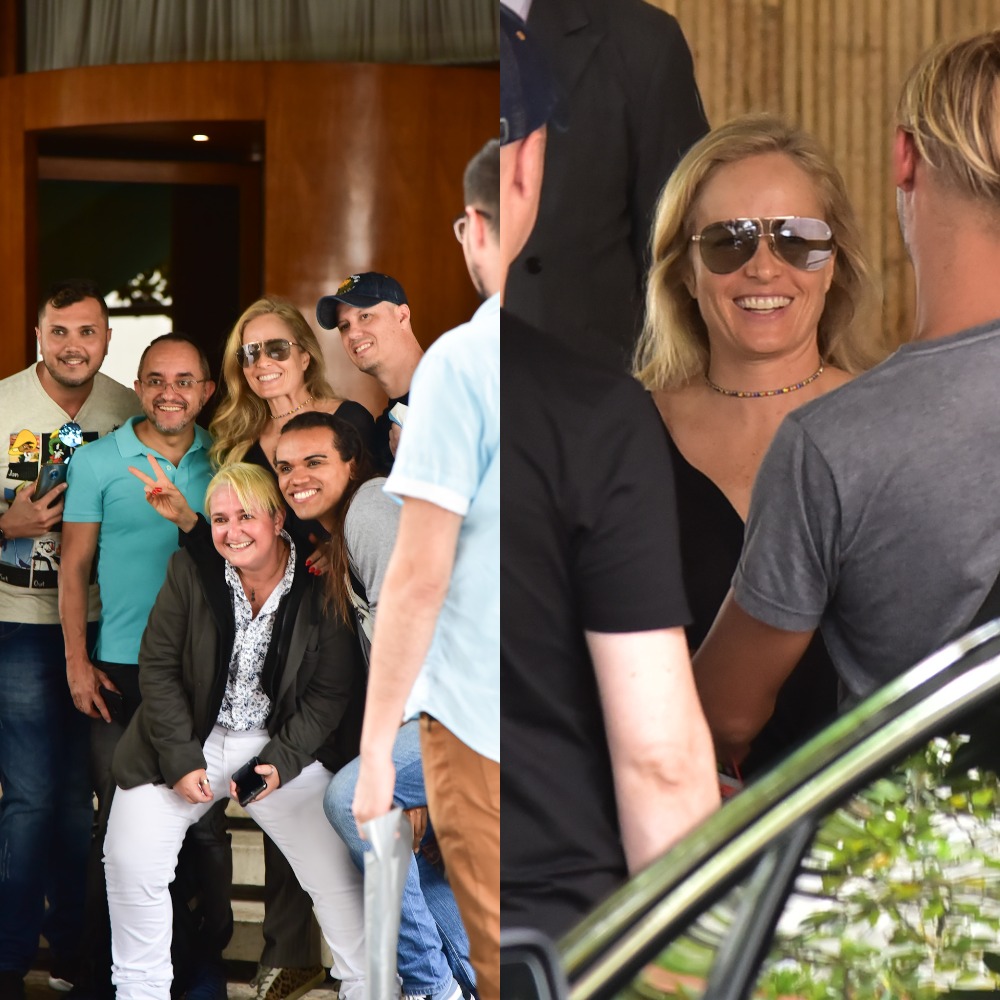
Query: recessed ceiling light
point(200, 137)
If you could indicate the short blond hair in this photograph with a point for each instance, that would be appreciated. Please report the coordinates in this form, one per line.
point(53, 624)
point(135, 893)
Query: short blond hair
point(673, 348)
point(254, 488)
point(950, 104)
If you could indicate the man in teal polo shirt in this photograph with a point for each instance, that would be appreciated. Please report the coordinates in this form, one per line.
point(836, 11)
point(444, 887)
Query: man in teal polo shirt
point(106, 505)
point(107, 516)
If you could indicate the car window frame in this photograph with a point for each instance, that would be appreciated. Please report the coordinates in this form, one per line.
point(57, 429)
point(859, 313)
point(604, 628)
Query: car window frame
point(638, 921)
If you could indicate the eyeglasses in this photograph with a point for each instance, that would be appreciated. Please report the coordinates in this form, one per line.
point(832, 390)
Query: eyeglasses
point(804, 243)
point(180, 384)
point(459, 224)
point(277, 350)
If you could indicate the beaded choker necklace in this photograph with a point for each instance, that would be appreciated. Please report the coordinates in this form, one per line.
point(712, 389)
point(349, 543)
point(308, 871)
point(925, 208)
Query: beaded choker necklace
point(295, 409)
point(746, 394)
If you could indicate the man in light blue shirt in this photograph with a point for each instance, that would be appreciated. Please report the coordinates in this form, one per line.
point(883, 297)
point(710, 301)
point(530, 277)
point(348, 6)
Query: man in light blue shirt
point(436, 647)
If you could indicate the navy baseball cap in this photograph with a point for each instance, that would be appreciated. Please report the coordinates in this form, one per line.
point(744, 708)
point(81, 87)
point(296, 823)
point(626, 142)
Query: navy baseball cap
point(366, 289)
point(528, 94)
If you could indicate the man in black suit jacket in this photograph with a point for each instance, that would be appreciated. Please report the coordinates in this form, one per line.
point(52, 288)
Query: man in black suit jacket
point(632, 109)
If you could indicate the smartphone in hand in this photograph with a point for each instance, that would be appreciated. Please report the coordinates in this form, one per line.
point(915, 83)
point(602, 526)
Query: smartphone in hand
point(249, 784)
point(50, 477)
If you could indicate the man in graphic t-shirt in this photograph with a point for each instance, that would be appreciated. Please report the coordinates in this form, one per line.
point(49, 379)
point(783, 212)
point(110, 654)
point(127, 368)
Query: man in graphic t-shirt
point(47, 411)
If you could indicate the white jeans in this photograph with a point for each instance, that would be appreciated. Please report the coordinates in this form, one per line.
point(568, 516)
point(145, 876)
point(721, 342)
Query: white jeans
point(145, 832)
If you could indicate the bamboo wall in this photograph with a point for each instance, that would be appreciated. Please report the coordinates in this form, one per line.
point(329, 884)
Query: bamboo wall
point(834, 66)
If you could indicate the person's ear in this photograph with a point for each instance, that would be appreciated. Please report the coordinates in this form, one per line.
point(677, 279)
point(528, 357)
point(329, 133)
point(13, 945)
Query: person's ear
point(531, 162)
point(904, 159)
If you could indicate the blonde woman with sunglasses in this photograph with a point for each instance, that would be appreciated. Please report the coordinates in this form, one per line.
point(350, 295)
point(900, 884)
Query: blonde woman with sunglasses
point(757, 302)
point(272, 368)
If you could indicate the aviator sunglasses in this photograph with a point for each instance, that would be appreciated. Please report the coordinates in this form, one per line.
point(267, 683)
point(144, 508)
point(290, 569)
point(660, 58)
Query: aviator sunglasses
point(276, 350)
point(802, 242)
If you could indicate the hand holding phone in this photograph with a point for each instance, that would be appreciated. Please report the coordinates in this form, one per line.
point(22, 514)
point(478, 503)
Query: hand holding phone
point(50, 477)
point(249, 784)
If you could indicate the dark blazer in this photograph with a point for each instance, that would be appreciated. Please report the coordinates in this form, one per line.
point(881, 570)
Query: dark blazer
point(312, 674)
point(632, 110)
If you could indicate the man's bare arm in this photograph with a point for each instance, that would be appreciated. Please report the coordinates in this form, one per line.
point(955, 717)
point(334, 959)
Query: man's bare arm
point(661, 752)
point(415, 586)
point(79, 546)
point(739, 670)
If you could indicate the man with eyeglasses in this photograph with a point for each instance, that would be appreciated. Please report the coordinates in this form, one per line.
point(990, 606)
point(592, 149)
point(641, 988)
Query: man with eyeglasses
point(873, 515)
point(107, 517)
point(46, 412)
point(372, 315)
point(436, 648)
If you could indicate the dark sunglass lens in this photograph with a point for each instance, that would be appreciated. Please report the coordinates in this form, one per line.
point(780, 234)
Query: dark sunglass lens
point(278, 350)
point(727, 246)
point(247, 354)
point(805, 243)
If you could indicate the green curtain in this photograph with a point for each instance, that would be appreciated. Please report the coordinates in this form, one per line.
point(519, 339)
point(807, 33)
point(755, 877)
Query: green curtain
point(60, 34)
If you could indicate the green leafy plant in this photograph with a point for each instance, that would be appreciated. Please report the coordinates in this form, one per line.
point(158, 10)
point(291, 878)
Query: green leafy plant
point(898, 897)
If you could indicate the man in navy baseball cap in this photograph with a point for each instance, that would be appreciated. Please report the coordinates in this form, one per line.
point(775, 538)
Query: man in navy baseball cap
point(371, 313)
point(366, 289)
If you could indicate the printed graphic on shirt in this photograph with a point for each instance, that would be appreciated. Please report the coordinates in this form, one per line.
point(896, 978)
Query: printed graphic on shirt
point(37, 462)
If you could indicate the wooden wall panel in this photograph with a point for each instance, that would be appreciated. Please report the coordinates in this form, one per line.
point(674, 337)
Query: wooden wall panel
point(365, 175)
point(14, 329)
point(835, 66)
point(363, 170)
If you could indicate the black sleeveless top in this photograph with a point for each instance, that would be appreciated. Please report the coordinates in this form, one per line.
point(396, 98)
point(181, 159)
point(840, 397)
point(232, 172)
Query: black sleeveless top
point(711, 541)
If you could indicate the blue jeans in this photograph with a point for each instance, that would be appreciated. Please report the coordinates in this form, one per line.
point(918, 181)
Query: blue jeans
point(433, 945)
point(46, 811)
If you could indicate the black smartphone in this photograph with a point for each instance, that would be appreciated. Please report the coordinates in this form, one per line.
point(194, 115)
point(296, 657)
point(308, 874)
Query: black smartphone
point(115, 702)
point(50, 476)
point(249, 784)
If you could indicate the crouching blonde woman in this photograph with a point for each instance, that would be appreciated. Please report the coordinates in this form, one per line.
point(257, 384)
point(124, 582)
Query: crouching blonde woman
point(238, 664)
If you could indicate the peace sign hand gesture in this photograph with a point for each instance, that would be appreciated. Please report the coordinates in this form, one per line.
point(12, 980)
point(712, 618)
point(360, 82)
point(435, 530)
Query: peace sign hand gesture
point(165, 498)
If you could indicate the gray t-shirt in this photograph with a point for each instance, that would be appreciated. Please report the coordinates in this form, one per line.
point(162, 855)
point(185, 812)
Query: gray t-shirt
point(876, 512)
point(370, 532)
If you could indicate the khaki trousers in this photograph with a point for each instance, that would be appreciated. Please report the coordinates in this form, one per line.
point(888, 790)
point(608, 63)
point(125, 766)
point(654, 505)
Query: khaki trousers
point(463, 798)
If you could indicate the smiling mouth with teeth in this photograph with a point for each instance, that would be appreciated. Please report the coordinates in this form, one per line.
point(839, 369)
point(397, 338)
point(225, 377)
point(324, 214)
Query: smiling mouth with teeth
point(301, 495)
point(763, 303)
point(238, 545)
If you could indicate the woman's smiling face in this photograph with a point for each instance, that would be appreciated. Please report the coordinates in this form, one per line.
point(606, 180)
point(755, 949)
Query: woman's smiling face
point(311, 474)
point(267, 377)
point(246, 538)
point(767, 307)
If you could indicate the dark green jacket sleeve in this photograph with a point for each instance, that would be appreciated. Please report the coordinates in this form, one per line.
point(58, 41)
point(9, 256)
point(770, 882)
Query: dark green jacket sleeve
point(320, 691)
point(167, 718)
